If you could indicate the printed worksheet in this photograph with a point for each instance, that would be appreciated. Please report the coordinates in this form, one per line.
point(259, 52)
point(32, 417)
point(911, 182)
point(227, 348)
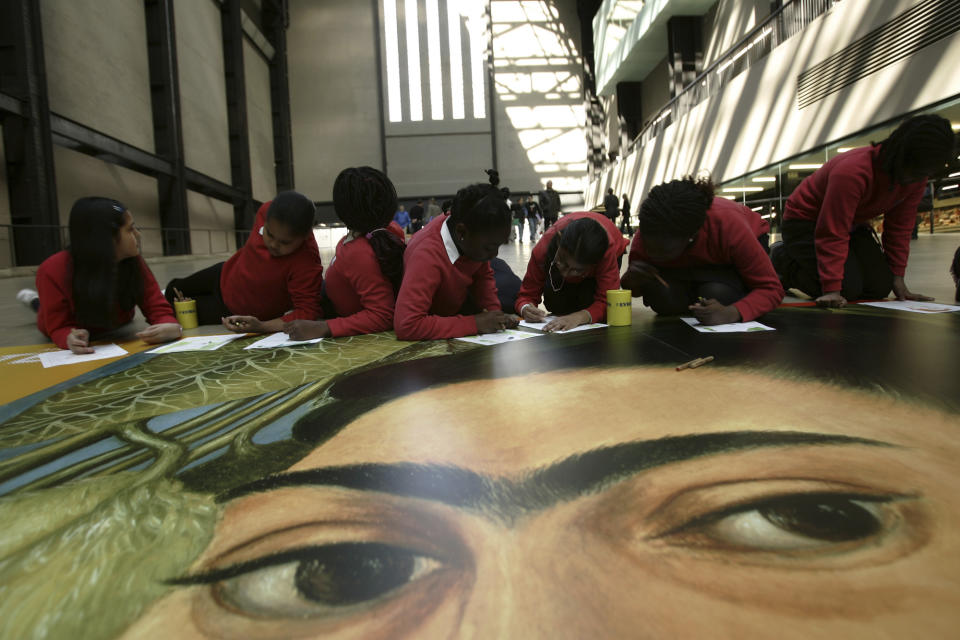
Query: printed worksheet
point(100, 352)
point(500, 337)
point(276, 340)
point(914, 306)
point(540, 325)
point(197, 343)
point(733, 327)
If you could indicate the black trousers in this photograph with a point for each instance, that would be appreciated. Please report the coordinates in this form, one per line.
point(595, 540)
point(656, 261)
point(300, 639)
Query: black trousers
point(508, 285)
point(866, 273)
point(204, 287)
point(688, 284)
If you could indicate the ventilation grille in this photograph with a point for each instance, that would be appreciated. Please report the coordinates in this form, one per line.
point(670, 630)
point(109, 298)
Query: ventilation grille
point(912, 30)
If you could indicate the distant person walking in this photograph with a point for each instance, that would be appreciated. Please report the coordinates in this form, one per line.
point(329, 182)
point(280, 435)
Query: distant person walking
point(611, 206)
point(549, 205)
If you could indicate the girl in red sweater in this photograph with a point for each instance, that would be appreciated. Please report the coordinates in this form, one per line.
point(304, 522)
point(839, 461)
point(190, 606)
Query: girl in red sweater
point(362, 280)
point(697, 253)
point(448, 288)
point(275, 278)
point(94, 286)
point(829, 251)
point(572, 267)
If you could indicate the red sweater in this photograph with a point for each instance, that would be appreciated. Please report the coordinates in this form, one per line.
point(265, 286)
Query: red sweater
point(729, 237)
point(361, 294)
point(607, 271)
point(56, 316)
point(434, 289)
point(848, 190)
point(257, 284)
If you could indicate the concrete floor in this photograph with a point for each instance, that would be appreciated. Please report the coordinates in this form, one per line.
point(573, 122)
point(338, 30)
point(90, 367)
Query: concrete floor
point(927, 272)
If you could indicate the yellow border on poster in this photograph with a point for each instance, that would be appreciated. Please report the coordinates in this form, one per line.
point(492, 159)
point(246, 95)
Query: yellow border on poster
point(22, 374)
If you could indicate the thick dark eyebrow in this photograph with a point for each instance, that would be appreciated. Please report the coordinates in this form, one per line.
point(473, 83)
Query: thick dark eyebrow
point(507, 499)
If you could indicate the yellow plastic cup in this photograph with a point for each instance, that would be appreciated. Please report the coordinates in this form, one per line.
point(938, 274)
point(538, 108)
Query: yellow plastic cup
point(619, 310)
point(186, 311)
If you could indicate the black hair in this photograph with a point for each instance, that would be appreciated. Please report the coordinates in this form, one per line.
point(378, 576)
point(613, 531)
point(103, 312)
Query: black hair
point(100, 283)
point(480, 207)
point(677, 208)
point(446, 205)
point(584, 239)
point(923, 142)
point(365, 200)
point(294, 210)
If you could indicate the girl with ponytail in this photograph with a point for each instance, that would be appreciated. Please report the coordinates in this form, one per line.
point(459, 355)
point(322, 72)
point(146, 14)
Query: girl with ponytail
point(94, 286)
point(364, 276)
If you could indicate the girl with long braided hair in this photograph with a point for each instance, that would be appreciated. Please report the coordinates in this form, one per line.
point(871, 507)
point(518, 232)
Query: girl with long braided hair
point(362, 280)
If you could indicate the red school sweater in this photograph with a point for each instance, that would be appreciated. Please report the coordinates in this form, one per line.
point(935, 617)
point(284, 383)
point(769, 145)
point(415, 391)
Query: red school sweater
point(358, 290)
point(607, 271)
point(850, 189)
point(729, 237)
point(254, 283)
point(434, 289)
point(57, 314)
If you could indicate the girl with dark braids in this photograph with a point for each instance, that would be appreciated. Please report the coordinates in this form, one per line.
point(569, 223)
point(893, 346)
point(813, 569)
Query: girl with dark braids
point(363, 278)
point(696, 253)
point(829, 251)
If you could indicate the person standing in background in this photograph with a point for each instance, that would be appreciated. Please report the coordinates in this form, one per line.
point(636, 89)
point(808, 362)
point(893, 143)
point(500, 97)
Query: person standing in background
point(549, 205)
point(402, 218)
point(611, 206)
point(625, 221)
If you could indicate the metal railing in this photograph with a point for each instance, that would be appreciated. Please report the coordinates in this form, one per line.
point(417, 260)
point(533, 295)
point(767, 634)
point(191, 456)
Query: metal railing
point(779, 26)
point(202, 241)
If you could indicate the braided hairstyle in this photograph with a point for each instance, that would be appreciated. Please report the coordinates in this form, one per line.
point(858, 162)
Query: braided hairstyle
point(923, 143)
point(676, 209)
point(480, 207)
point(584, 239)
point(365, 200)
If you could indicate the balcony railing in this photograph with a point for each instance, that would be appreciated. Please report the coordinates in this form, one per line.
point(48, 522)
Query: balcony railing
point(780, 26)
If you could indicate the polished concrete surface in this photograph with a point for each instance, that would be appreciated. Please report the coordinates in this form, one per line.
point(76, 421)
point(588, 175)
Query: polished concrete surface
point(927, 273)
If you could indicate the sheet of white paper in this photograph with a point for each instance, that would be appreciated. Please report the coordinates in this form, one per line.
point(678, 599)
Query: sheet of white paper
point(276, 340)
point(914, 306)
point(510, 335)
point(100, 352)
point(733, 327)
point(540, 325)
point(198, 343)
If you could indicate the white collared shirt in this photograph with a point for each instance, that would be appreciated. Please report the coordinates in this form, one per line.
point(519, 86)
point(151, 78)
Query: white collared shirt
point(452, 252)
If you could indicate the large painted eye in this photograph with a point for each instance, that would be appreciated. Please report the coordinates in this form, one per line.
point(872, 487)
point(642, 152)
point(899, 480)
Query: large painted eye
point(317, 581)
point(791, 523)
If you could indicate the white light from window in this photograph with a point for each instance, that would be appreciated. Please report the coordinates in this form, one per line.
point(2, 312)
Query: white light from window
point(767, 217)
point(412, 20)
point(741, 189)
point(955, 127)
point(456, 59)
point(433, 60)
point(756, 208)
point(954, 175)
point(844, 149)
point(478, 53)
point(805, 166)
point(394, 109)
point(764, 179)
point(949, 187)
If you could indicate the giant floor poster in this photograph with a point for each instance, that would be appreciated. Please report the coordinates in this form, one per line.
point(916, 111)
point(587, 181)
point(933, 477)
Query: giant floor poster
point(803, 484)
